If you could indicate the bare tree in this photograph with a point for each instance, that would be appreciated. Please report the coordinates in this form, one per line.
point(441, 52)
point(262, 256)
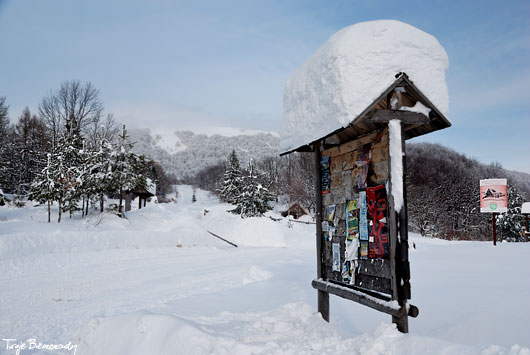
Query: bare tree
point(73, 107)
point(99, 129)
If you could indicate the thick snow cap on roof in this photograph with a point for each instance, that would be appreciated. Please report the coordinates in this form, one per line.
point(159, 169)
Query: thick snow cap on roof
point(351, 70)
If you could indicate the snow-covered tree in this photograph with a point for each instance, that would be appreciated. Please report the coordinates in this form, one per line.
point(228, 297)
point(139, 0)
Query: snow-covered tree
point(254, 198)
point(232, 181)
point(512, 222)
point(70, 148)
point(100, 175)
point(127, 168)
point(43, 187)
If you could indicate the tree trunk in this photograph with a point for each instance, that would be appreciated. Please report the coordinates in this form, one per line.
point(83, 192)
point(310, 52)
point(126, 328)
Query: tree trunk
point(121, 200)
point(86, 211)
point(49, 211)
point(83, 208)
point(128, 197)
point(101, 202)
point(60, 211)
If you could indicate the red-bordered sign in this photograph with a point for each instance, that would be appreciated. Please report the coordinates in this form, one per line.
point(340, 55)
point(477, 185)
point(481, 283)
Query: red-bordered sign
point(493, 196)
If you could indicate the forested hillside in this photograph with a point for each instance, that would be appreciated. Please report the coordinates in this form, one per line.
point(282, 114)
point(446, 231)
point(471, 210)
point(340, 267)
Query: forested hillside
point(442, 189)
point(443, 198)
point(190, 152)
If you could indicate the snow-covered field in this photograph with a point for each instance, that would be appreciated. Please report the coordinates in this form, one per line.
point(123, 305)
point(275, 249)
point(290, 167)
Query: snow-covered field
point(158, 283)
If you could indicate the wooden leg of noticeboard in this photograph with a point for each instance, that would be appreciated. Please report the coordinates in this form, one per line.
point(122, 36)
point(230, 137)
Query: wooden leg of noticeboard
point(402, 321)
point(323, 304)
point(323, 297)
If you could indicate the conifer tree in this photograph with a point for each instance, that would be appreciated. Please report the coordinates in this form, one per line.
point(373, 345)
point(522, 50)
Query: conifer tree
point(127, 168)
point(253, 201)
point(43, 187)
point(512, 222)
point(232, 181)
point(101, 177)
point(70, 147)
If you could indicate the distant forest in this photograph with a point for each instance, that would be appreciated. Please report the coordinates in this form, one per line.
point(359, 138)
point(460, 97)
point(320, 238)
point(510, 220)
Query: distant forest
point(442, 190)
point(443, 198)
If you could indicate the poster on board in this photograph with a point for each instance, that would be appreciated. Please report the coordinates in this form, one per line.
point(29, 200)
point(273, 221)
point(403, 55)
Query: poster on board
point(325, 182)
point(493, 196)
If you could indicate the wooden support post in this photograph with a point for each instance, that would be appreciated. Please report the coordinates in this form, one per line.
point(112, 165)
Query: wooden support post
point(323, 296)
point(494, 224)
point(139, 202)
point(526, 229)
point(398, 254)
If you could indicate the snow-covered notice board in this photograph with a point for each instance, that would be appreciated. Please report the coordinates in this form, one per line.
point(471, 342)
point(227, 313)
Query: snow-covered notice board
point(353, 105)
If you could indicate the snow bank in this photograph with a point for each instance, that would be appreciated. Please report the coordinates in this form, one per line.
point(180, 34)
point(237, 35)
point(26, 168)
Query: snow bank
point(291, 329)
point(154, 226)
point(351, 70)
point(255, 274)
point(258, 231)
point(525, 208)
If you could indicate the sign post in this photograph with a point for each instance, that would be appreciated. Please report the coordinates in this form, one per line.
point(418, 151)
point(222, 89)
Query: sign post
point(494, 224)
point(494, 200)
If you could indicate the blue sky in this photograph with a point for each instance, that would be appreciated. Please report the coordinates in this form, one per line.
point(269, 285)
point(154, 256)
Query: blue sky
point(193, 64)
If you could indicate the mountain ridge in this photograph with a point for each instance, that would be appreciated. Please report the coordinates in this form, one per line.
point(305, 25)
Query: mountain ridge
point(185, 153)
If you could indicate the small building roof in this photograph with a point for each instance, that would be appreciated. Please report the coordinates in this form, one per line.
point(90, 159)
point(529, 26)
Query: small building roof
point(525, 208)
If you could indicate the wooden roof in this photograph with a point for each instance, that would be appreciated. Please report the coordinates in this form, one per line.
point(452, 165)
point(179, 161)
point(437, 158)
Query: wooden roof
point(376, 115)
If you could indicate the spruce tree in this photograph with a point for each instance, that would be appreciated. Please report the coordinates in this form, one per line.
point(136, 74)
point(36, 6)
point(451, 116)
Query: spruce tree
point(101, 175)
point(511, 223)
point(232, 181)
point(254, 198)
point(70, 147)
point(127, 168)
point(43, 188)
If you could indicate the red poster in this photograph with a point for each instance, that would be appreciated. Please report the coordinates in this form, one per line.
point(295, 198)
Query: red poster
point(378, 242)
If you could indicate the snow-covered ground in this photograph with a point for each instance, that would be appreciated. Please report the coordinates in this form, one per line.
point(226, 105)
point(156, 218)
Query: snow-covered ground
point(158, 283)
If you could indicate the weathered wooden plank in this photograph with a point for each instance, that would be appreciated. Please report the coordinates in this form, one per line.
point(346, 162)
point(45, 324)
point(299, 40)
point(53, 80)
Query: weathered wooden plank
point(375, 267)
point(337, 195)
point(336, 180)
point(362, 298)
point(379, 172)
point(378, 153)
point(403, 257)
point(335, 164)
point(323, 297)
point(373, 283)
point(406, 117)
point(332, 152)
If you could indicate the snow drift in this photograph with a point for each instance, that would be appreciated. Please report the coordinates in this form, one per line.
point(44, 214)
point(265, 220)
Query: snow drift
point(351, 70)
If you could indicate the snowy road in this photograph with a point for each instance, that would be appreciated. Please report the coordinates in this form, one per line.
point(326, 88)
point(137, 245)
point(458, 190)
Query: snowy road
point(158, 283)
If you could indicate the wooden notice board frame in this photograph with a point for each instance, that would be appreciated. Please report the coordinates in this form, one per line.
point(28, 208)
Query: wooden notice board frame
point(386, 284)
point(380, 283)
